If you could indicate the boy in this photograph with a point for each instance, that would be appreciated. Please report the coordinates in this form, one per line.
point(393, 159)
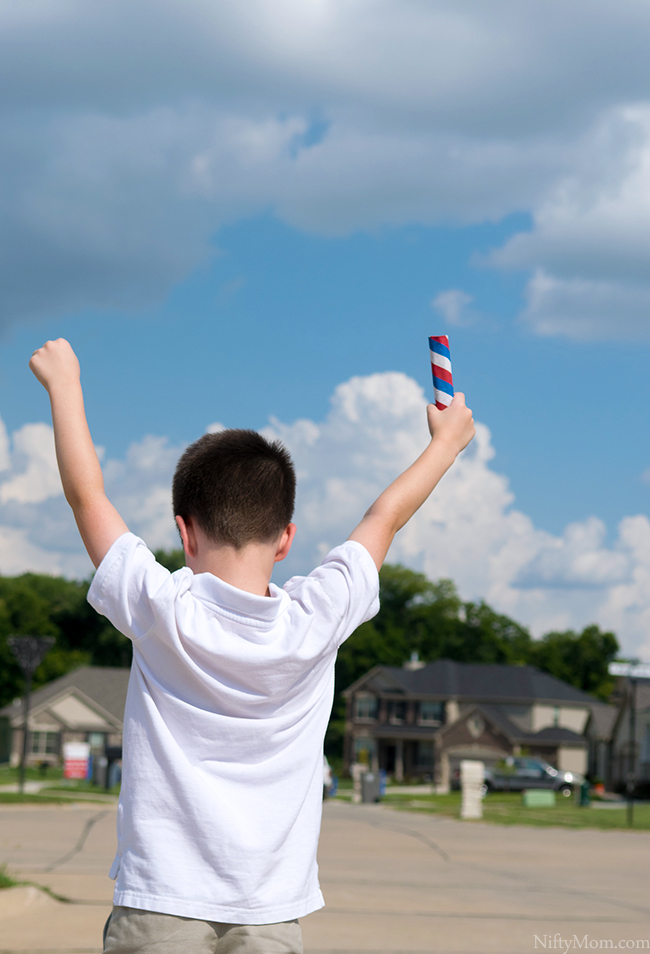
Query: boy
point(232, 678)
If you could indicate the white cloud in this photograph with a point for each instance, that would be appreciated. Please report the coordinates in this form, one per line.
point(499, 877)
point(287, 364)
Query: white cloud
point(18, 554)
point(468, 530)
point(590, 242)
point(120, 161)
point(452, 305)
point(36, 475)
point(37, 530)
point(587, 310)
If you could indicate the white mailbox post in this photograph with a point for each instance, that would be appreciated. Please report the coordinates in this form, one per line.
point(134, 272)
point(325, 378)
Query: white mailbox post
point(471, 780)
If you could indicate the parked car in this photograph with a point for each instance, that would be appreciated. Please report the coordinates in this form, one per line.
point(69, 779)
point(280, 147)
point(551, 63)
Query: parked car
point(514, 774)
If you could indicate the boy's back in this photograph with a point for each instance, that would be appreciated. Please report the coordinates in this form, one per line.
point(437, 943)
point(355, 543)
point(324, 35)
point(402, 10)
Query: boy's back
point(232, 678)
point(228, 702)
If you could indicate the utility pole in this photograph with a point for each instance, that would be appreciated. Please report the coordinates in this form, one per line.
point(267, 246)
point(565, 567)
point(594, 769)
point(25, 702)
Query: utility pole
point(631, 762)
point(29, 652)
point(633, 670)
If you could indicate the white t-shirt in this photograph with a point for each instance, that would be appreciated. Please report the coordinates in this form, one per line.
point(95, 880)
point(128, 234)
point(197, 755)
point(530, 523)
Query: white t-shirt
point(229, 698)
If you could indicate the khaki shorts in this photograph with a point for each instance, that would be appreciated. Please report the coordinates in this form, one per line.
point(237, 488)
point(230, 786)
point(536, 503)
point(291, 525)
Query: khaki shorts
point(132, 931)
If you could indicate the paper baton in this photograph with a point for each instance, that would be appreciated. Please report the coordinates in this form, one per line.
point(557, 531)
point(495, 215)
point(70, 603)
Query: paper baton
point(443, 385)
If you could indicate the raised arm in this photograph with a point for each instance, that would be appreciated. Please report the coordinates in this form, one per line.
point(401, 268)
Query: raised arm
point(57, 368)
point(451, 430)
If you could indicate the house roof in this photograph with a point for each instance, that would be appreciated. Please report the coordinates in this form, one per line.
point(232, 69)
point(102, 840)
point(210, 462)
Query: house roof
point(104, 685)
point(554, 734)
point(478, 682)
point(551, 735)
point(602, 721)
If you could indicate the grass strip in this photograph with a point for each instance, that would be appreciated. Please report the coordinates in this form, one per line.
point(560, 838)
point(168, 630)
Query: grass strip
point(15, 798)
point(6, 881)
point(86, 788)
point(9, 776)
point(508, 809)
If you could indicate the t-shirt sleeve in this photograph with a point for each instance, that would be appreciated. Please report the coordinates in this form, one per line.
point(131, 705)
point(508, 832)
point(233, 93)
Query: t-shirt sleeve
point(348, 582)
point(127, 585)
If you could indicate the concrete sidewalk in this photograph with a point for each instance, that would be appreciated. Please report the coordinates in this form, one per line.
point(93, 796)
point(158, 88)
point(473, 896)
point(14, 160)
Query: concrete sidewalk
point(393, 882)
point(31, 788)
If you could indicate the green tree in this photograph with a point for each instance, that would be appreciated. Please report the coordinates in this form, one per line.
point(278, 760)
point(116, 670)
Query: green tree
point(40, 605)
point(418, 615)
point(486, 636)
point(171, 559)
point(580, 659)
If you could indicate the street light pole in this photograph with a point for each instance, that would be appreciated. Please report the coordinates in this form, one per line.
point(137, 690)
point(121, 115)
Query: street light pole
point(29, 652)
point(631, 762)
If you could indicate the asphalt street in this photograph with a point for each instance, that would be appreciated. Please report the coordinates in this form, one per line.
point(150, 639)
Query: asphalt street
point(393, 882)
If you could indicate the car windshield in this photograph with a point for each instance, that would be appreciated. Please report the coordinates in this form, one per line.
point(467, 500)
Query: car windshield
point(539, 765)
point(531, 767)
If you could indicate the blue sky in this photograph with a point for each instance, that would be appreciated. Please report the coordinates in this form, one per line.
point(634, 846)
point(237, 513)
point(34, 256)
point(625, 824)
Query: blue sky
point(278, 318)
point(293, 202)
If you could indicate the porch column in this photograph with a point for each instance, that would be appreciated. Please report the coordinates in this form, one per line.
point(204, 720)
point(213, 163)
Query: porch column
point(442, 774)
point(399, 761)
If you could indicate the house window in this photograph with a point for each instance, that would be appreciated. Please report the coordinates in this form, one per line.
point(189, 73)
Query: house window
point(365, 707)
point(44, 743)
point(397, 712)
point(431, 712)
point(424, 755)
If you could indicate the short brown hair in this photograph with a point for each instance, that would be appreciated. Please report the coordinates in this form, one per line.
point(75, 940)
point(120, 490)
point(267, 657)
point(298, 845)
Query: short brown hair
point(237, 486)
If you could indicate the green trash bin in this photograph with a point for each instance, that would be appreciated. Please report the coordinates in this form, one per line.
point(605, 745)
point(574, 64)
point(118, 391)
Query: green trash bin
point(584, 799)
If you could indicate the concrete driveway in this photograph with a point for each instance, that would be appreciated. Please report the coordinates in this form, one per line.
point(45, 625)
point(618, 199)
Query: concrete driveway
point(393, 882)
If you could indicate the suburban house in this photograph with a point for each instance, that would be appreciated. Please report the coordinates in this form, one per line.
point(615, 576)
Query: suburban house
point(622, 748)
point(422, 719)
point(86, 705)
point(598, 731)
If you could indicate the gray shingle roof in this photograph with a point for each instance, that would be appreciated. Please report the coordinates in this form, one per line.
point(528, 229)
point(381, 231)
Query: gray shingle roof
point(106, 685)
point(552, 734)
point(602, 721)
point(483, 681)
point(555, 733)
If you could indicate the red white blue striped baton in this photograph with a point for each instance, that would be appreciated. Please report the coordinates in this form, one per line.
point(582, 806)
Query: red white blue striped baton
point(443, 385)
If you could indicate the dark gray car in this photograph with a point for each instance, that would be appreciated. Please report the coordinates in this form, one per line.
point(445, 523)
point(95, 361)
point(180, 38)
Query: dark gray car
point(516, 774)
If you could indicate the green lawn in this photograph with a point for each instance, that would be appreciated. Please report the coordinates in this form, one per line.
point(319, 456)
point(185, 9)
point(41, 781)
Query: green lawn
point(505, 808)
point(74, 785)
point(57, 790)
point(54, 783)
point(15, 798)
point(9, 776)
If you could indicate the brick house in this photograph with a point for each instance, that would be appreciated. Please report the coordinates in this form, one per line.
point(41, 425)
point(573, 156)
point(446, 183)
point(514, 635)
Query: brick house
point(85, 705)
point(422, 719)
point(622, 749)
